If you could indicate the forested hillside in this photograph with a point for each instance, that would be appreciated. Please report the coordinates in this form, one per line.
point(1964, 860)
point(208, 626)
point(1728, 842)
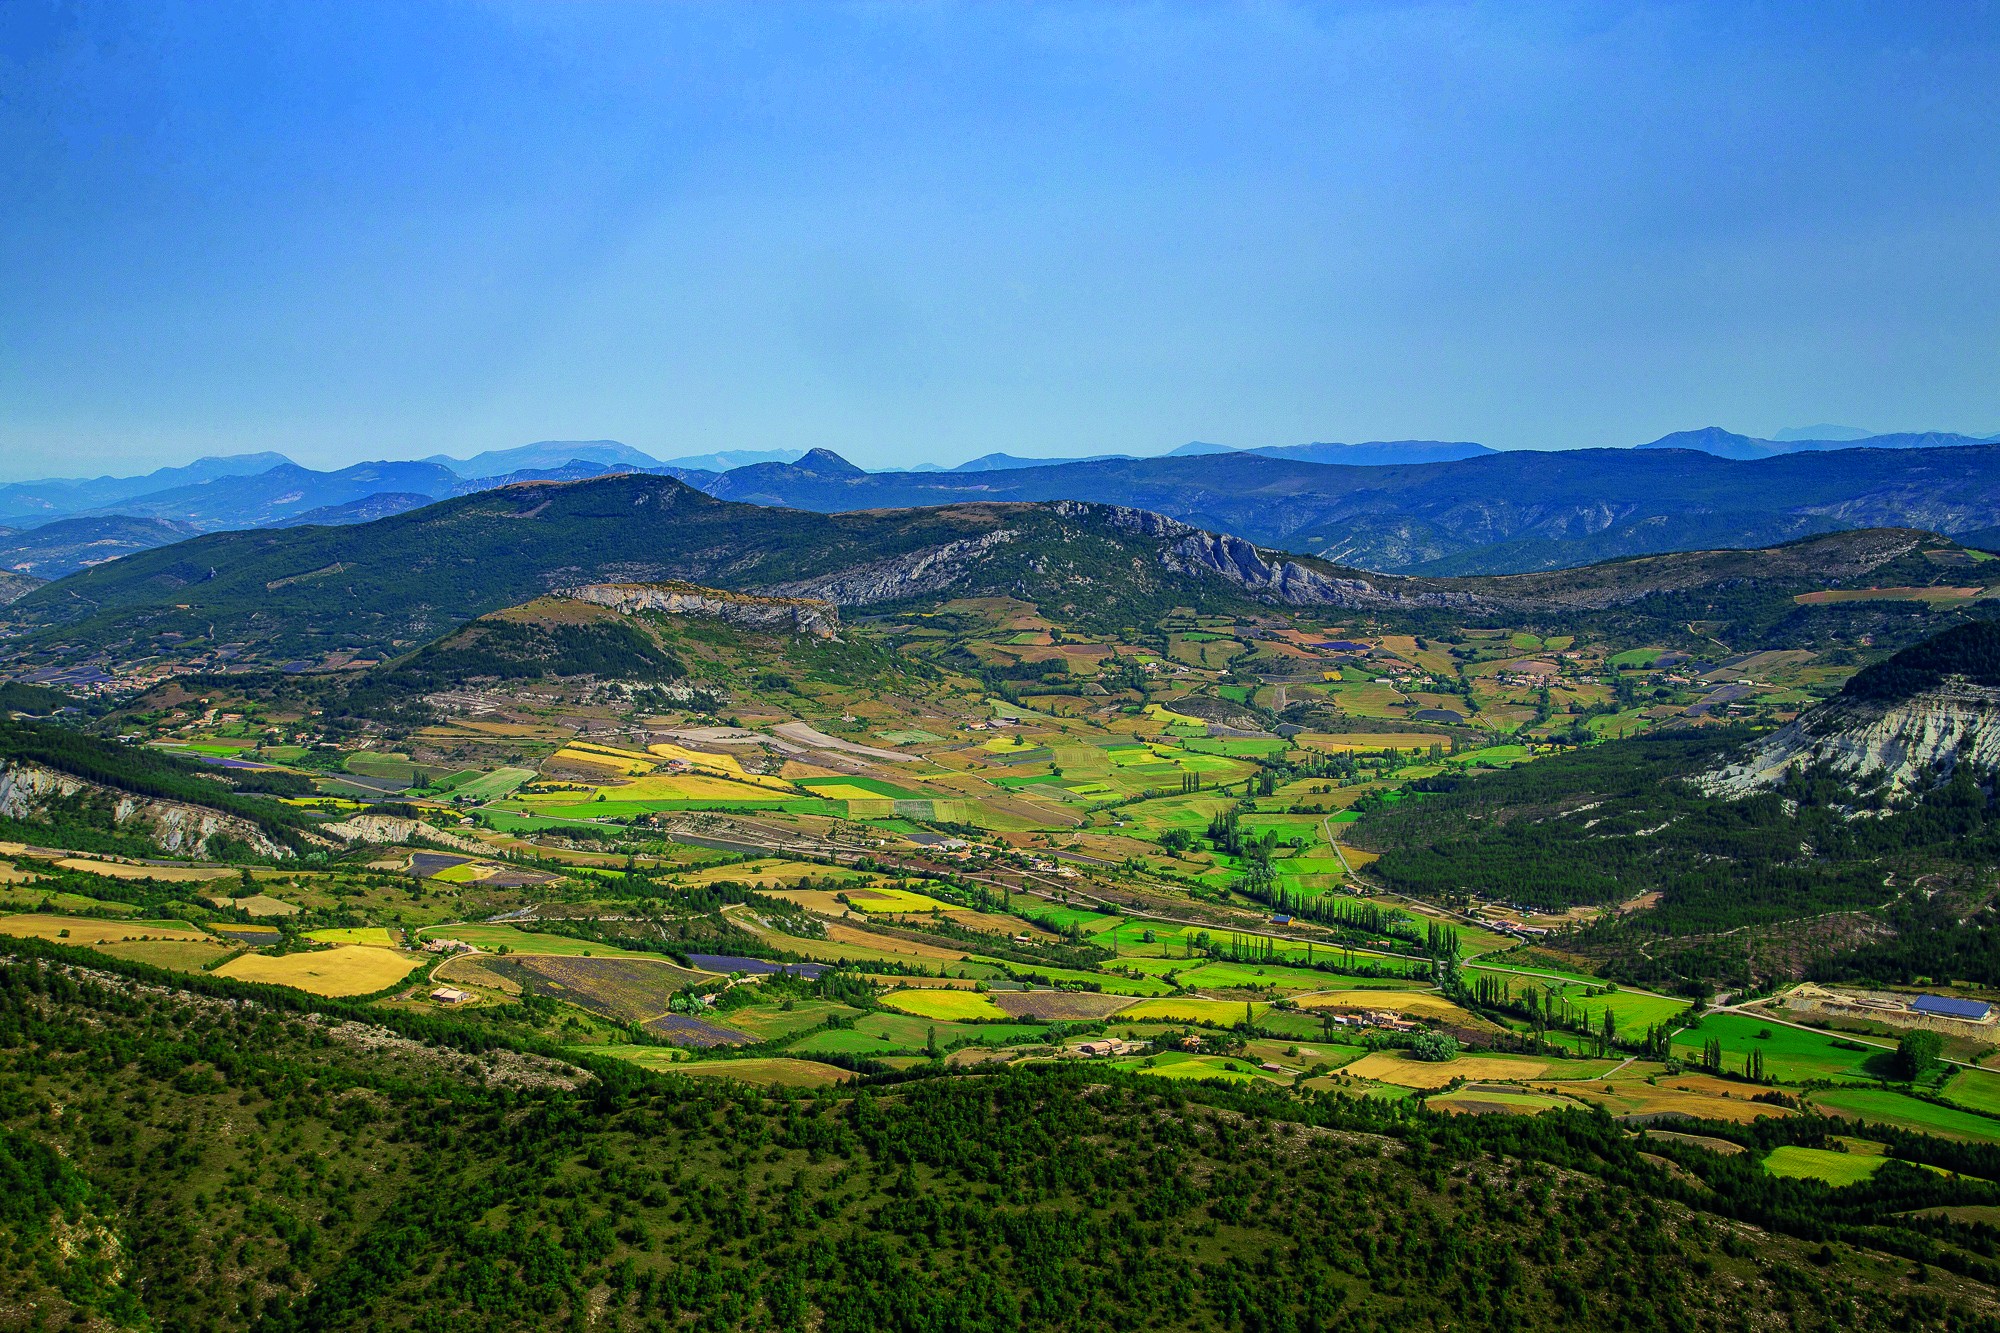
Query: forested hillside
point(272, 1165)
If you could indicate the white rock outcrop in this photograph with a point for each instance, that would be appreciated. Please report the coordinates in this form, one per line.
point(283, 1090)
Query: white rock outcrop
point(175, 827)
point(393, 829)
point(804, 615)
point(1932, 732)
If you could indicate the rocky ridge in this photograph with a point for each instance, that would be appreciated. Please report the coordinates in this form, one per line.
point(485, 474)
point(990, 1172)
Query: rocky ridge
point(816, 616)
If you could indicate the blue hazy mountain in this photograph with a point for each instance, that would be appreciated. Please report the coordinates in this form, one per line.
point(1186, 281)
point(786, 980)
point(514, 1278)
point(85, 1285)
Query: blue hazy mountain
point(1727, 444)
point(1821, 432)
point(1499, 512)
point(24, 502)
point(544, 454)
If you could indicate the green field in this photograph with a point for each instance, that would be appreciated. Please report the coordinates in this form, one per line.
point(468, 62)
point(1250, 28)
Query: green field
point(1790, 1055)
point(773, 1072)
point(1974, 1089)
point(1835, 1168)
point(493, 785)
point(375, 935)
point(1185, 1064)
point(943, 1004)
point(1881, 1107)
point(1183, 1009)
point(492, 939)
point(885, 1033)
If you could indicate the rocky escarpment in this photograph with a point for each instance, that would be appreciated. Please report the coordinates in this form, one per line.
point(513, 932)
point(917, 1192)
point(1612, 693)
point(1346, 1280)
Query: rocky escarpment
point(916, 574)
point(15, 586)
point(392, 829)
point(1898, 743)
point(29, 791)
point(1238, 562)
point(816, 616)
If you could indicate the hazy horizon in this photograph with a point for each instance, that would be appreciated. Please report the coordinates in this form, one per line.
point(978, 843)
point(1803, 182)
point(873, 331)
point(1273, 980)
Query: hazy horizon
point(927, 233)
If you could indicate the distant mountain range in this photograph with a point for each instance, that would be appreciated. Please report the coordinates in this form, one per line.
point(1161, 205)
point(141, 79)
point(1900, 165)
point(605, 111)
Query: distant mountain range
point(1430, 506)
point(390, 585)
point(1494, 513)
point(1727, 444)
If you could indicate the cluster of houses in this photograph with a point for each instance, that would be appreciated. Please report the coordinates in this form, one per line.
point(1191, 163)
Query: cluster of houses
point(445, 946)
point(1376, 1018)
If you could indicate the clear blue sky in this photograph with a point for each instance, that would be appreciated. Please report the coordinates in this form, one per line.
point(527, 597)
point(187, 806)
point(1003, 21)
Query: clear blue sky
point(926, 231)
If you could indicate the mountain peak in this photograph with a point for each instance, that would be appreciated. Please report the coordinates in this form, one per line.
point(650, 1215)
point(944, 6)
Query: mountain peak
point(827, 463)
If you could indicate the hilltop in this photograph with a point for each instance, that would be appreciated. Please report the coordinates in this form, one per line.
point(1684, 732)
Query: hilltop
point(375, 590)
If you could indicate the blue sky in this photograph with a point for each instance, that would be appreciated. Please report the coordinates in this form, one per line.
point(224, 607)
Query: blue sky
point(916, 232)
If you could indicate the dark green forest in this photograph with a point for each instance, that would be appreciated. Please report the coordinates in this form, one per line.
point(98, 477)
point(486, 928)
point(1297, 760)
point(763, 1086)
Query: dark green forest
point(177, 1161)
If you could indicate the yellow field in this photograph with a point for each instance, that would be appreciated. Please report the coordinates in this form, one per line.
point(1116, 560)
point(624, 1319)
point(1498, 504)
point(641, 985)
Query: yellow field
point(1405, 1072)
point(374, 936)
point(1179, 1009)
point(778, 872)
point(1342, 742)
point(89, 930)
point(352, 969)
point(573, 754)
point(725, 764)
point(843, 791)
point(894, 900)
point(171, 874)
point(1697, 1095)
point(943, 1004)
point(1423, 1004)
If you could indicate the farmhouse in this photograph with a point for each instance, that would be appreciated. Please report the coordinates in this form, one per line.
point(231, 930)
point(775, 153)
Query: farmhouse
point(1109, 1046)
point(450, 995)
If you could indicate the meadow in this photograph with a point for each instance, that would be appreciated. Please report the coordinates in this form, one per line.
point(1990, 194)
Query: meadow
point(1790, 1054)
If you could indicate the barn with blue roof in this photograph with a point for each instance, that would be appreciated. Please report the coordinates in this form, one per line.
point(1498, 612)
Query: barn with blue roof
point(1948, 1006)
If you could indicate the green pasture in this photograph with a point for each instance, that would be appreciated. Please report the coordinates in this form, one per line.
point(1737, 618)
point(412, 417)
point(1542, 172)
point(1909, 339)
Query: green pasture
point(1224, 974)
point(1974, 1089)
point(1065, 917)
point(886, 1033)
point(492, 939)
point(1517, 1103)
point(610, 809)
point(943, 1005)
point(1823, 1164)
point(493, 785)
point(513, 821)
point(1790, 1054)
point(1104, 981)
point(873, 785)
point(1881, 1107)
point(1188, 1065)
point(767, 1022)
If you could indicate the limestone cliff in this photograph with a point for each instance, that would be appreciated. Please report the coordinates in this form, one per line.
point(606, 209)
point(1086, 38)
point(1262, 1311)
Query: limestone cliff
point(28, 790)
point(1869, 740)
point(920, 572)
point(803, 615)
